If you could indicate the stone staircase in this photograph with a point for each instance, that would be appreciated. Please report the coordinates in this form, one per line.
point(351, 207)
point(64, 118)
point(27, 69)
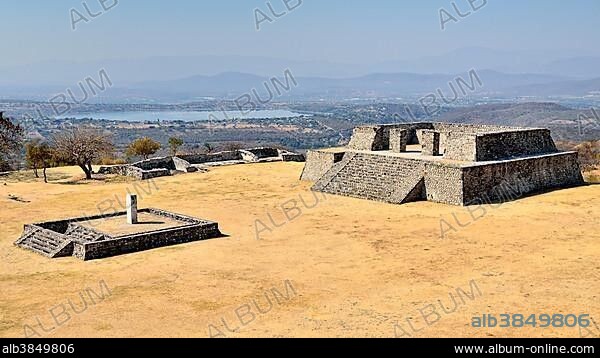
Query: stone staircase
point(46, 242)
point(375, 177)
point(84, 234)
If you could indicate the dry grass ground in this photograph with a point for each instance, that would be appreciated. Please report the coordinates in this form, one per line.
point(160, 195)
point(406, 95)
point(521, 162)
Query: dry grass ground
point(357, 267)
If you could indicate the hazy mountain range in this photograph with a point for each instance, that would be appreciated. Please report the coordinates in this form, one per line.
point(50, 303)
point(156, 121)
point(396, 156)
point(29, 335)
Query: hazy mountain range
point(188, 78)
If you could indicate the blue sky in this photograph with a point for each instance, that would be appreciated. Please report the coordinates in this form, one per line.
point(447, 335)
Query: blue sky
point(349, 31)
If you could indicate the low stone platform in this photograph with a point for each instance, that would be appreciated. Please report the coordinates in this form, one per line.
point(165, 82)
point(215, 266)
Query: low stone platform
point(101, 236)
point(448, 163)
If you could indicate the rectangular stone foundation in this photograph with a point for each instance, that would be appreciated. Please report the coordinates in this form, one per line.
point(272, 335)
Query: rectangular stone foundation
point(145, 241)
point(80, 237)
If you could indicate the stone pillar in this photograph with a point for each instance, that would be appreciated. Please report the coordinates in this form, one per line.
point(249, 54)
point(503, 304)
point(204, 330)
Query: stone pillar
point(431, 143)
point(398, 140)
point(131, 203)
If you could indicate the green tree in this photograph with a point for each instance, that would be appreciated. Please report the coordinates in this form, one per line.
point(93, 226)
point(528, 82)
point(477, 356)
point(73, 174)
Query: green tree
point(32, 158)
point(39, 155)
point(46, 158)
point(174, 145)
point(143, 147)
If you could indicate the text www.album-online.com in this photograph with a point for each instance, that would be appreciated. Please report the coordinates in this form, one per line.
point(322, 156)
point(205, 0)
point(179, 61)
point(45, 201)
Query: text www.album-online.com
point(535, 349)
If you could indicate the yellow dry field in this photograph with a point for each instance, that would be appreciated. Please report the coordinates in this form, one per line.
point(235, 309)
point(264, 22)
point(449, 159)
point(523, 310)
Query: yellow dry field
point(337, 267)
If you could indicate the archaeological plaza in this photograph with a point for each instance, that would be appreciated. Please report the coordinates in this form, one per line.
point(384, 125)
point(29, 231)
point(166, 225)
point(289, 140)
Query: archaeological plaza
point(458, 164)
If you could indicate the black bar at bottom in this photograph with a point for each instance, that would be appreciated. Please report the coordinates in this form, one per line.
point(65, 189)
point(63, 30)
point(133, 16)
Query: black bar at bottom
point(173, 347)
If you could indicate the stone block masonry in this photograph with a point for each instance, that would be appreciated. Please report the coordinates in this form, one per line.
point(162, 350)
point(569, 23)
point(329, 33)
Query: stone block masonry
point(398, 140)
point(458, 164)
point(431, 143)
point(318, 163)
point(69, 237)
point(508, 180)
point(367, 138)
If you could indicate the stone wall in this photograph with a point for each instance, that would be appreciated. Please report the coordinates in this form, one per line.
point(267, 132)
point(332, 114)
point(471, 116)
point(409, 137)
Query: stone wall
point(398, 140)
point(155, 163)
point(458, 141)
point(444, 184)
point(145, 241)
point(367, 138)
point(458, 146)
point(430, 142)
point(504, 145)
point(470, 128)
point(291, 157)
point(212, 157)
point(377, 137)
point(155, 173)
point(264, 152)
point(131, 170)
point(494, 182)
point(318, 163)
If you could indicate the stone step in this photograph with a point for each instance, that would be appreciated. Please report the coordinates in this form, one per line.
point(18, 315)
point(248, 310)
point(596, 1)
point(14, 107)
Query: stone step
point(83, 233)
point(37, 247)
point(43, 242)
point(394, 180)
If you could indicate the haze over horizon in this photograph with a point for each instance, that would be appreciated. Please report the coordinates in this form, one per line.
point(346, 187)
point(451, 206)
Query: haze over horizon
point(54, 45)
point(336, 31)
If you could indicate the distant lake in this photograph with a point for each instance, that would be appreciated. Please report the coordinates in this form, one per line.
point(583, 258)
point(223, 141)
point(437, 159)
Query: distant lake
point(185, 116)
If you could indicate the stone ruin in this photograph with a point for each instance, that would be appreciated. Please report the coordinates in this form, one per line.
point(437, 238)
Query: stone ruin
point(101, 236)
point(459, 164)
point(165, 166)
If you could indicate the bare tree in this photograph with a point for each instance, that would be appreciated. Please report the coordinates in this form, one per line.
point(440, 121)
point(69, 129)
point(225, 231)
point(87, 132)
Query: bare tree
point(209, 148)
point(81, 146)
